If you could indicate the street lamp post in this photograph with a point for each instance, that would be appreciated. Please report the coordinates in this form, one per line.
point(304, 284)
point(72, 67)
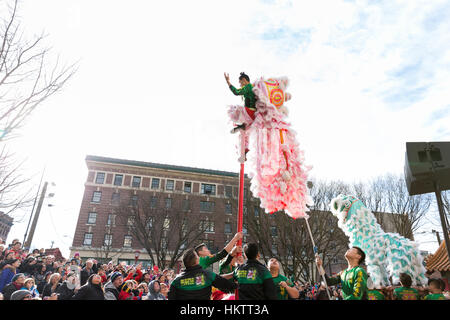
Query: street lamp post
point(27, 243)
point(136, 256)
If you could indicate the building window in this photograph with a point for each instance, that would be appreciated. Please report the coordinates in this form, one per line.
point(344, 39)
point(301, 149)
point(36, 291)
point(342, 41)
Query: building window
point(100, 178)
point(155, 183)
point(244, 228)
point(134, 200)
point(97, 196)
point(168, 203)
point(256, 212)
point(206, 206)
point(118, 179)
point(186, 205)
point(227, 227)
point(111, 220)
point(245, 210)
point(87, 239)
point(274, 249)
point(273, 231)
point(166, 224)
point(115, 199)
point(206, 226)
point(163, 243)
point(153, 202)
point(149, 224)
point(228, 191)
point(208, 189)
point(92, 218)
point(170, 184)
point(127, 241)
point(136, 183)
point(130, 221)
point(187, 187)
point(228, 208)
point(209, 243)
point(108, 240)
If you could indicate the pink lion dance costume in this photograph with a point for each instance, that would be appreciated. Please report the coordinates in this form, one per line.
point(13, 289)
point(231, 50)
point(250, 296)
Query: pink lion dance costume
point(277, 171)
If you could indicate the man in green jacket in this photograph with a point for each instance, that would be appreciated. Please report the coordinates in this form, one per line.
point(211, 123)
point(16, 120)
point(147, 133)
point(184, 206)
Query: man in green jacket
point(254, 279)
point(353, 279)
point(285, 287)
point(207, 259)
point(195, 283)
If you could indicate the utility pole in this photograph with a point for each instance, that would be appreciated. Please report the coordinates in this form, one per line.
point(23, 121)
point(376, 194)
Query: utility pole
point(36, 217)
point(32, 210)
point(437, 235)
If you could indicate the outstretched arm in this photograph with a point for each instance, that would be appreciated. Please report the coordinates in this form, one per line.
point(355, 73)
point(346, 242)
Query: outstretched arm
point(233, 242)
point(227, 78)
point(330, 281)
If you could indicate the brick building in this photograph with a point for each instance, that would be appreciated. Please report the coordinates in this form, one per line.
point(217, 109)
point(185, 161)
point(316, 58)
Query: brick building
point(6, 223)
point(211, 194)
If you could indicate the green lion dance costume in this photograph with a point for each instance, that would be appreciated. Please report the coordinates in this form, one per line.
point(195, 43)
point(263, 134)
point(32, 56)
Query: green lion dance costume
point(387, 254)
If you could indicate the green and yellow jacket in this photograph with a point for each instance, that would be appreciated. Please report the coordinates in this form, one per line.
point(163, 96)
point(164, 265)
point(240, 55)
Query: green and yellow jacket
point(255, 282)
point(194, 283)
point(353, 281)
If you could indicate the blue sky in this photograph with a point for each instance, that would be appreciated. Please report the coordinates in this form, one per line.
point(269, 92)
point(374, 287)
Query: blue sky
point(366, 76)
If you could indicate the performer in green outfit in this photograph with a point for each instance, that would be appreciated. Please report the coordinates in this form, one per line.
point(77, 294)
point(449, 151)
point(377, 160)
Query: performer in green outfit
point(372, 292)
point(353, 279)
point(254, 279)
point(207, 259)
point(285, 288)
point(435, 286)
point(405, 292)
point(246, 90)
point(195, 283)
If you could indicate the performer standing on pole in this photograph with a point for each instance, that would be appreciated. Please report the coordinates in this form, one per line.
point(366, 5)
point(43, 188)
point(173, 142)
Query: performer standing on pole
point(353, 279)
point(246, 90)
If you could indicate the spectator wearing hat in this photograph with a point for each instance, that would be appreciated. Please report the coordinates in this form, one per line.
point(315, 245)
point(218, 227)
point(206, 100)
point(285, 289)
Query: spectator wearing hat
point(15, 284)
point(30, 286)
point(92, 290)
point(127, 292)
point(154, 291)
point(21, 295)
point(113, 286)
point(9, 270)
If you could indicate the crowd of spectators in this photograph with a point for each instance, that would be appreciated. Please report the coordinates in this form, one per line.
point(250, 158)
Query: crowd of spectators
point(36, 276)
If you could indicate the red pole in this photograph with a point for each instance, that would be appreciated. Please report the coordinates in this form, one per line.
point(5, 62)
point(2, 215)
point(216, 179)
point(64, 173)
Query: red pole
point(240, 219)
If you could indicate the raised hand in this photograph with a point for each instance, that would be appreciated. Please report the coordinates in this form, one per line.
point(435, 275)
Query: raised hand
point(227, 77)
